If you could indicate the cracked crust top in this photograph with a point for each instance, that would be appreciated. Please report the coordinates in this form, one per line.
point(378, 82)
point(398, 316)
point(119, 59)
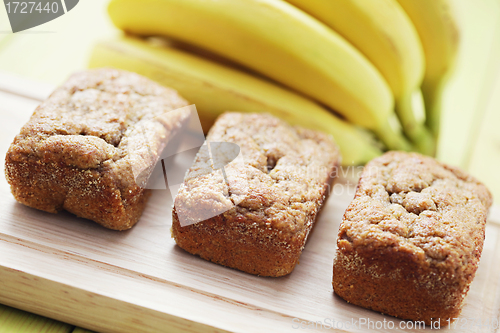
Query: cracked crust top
point(84, 147)
point(281, 181)
point(260, 222)
point(410, 241)
point(416, 205)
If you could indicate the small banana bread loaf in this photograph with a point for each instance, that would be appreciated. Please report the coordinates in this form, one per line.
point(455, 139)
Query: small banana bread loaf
point(85, 146)
point(410, 241)
point(260, 208)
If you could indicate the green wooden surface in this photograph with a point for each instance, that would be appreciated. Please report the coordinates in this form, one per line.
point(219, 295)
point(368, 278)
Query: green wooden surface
point(470, 139)
point(81, 330)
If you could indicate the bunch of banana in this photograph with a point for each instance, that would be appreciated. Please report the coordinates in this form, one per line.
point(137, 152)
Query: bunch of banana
point(361, 59)
point(383, 32)
point(438, 30)
point(279, 41)
point(215, 88)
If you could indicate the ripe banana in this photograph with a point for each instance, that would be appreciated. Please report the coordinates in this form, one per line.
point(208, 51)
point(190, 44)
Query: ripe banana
point(215, 88)
point(439, 33)
point(279, 41)
point(383, 32)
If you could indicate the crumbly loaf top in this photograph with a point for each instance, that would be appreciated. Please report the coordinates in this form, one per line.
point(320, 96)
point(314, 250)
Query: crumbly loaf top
point(281, 182)
point(417, 205)
point(103, 118)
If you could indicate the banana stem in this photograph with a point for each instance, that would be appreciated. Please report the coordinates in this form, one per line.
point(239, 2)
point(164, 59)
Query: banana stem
point(390, 134)
point(412, 119)
point(433, 98)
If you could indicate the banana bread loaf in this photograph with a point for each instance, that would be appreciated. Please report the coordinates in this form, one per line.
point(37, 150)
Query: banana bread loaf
point(84, 147)
point(410, 241)
point(263, 213)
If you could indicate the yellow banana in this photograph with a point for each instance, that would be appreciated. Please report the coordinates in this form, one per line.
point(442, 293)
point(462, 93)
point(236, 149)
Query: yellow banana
point(279, 41)
point(439, 33)
point(383, 32)
point(215, 88)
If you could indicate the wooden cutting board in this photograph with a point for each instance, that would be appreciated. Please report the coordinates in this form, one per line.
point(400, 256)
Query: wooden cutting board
point(75, 271)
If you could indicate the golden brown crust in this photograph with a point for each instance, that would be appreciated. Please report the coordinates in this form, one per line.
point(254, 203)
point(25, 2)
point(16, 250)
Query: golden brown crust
point(410, 241)
point(279, 189)
point(83, 147)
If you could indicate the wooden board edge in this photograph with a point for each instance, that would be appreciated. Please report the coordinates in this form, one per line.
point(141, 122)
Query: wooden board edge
point(21, 288)
point(47, 281)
